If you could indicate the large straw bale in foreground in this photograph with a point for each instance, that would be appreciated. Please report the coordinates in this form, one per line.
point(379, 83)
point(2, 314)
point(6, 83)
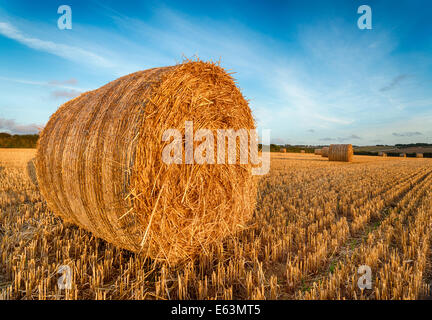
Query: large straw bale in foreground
point(325, 152)
point(341, 152)
point(99, 162)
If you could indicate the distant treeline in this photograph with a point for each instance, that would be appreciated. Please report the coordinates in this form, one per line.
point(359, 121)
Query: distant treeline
point(17, 140)
point(390, 154)
point(410, 145)
point(30, 140)
point(289, 148)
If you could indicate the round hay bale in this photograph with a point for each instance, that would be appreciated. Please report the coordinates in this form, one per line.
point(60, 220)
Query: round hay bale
point(419, 155)
point(302, 151)
point(317, 151)
point(283, 150)
point(382, 154)
point(325, 152)
point(99, 162)
point(341, 152)
point(402, 155)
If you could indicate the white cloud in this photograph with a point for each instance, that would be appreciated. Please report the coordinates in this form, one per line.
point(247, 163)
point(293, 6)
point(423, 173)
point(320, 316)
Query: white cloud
point(52, 83)
point(69, 94)
point(62, 50)
point(333, 119)
point(10, 125)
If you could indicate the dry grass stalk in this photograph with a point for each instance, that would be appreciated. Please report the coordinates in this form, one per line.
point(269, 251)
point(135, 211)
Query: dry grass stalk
point(99, 162)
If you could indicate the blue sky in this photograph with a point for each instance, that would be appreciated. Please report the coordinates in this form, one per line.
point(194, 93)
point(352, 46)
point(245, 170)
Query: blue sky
point(311, 75)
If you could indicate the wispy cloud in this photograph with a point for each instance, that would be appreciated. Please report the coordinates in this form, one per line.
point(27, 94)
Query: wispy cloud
point(342, 139)
point(278, 141)
point(355, 137)
point(71, 81)
point(407, 134)
point(62, 50)
point(333, 119)
point(66, 84)
point(394, 82)
point(10, 125)
point(65, 94)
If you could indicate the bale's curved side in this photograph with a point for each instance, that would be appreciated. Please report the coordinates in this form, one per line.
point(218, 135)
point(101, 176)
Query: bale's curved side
point(86, 152)
point(325, 152)
point(99, 162)
point(341, 152)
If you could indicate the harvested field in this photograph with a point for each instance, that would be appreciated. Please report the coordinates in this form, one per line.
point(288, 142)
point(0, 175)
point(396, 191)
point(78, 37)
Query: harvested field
point(315, 223)
point(106, 173)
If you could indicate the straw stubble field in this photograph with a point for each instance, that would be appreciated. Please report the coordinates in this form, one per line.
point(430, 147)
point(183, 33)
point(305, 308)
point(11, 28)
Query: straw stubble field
point(315, 223)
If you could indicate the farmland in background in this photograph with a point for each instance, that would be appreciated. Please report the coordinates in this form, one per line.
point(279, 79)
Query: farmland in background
point(18, 141)
point(315, 224)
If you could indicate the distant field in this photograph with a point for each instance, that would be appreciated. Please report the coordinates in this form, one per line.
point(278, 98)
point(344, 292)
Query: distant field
point(315, 223)
point(16, 158)
point(373, 148)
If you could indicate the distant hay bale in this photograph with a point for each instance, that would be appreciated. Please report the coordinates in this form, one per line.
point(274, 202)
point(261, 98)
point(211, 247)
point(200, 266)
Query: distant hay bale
point(382, 154)
point(341, 152)
point(402, 155)
point(31, 172)
point(419, 155)
point(283, 150)
point(302, 151)
point(317, 151)
point(325, 152)
point(99, 162)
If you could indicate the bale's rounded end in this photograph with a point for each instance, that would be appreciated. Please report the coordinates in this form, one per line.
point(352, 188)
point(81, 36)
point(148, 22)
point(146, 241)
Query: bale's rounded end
point(191, 206)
